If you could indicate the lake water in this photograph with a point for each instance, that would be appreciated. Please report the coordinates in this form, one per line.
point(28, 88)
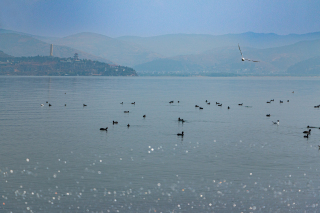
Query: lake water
point(55, 159)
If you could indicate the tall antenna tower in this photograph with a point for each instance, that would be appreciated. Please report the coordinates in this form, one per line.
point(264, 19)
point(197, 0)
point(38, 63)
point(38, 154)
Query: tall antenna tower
point(51, 50)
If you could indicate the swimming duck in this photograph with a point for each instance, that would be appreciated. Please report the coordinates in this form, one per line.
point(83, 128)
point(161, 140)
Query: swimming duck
point(144, 116)
point(180, 119)
point(287, 100)
point(128, 125)
point(104, 128)
point(228, 107)
point(272, 100)
point(50, 105)
point(114, 122)
point(196, 106)
point(268, 102)
point(276, 122)
point(133, 103)
point(84, 105)
point(206, 100)
point(268, 115)
point(200, 107)
point(281, 101)
point(121, 103)
point(307, 132)
point(180, 134)
point(219, 104)
point(65, 104)
point(42, 105)
point(208, 103)
point(240, 104)
point(126, 111)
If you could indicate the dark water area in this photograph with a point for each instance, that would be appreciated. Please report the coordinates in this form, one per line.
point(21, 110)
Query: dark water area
point(56, 159)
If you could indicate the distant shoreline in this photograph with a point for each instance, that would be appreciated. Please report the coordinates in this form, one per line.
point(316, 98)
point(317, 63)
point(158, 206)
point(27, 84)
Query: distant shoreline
point(164, 76)
point(55, 66)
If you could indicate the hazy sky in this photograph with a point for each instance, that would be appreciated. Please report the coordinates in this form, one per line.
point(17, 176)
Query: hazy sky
point(157, 17)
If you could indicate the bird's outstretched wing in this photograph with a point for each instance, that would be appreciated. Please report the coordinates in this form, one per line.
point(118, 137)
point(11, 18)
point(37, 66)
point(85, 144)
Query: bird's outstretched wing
point(251, 60)
point(245, 59)
point(240, 50)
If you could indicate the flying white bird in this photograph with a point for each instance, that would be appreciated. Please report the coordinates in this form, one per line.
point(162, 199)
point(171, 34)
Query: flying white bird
point(245, 59)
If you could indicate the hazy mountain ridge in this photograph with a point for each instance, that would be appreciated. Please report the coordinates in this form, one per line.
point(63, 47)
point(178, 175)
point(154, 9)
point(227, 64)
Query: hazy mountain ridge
point(178, 52)
point(185, 44)
point(310, 67)
point(118, 51)
point(41, 38)
point(22, 45)
point(228, 59)
point(4, 55)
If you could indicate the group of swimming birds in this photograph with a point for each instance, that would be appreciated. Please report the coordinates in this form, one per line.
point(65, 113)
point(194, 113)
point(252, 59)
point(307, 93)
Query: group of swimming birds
point(179, 119)
point(219, 104)
point(307, 133)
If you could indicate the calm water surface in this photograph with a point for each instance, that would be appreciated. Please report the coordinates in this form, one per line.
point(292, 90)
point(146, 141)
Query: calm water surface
point(55, 159)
